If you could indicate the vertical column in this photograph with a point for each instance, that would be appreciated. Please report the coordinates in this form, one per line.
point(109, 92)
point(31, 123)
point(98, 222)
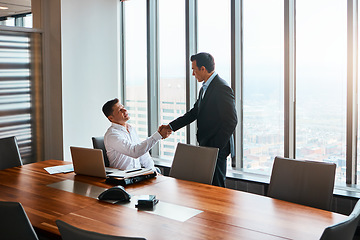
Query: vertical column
point(153, 69)
point(191, 48)
point(47, 16)
point(122, 67)
point(237, 77)
point(37, 96)
point(352, 74)
point(289, 78)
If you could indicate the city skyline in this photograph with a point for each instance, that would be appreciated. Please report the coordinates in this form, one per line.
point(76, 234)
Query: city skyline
point(263, 140)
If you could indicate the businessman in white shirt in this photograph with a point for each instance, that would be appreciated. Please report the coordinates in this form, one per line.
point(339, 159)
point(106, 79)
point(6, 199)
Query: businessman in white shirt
point(123, 147)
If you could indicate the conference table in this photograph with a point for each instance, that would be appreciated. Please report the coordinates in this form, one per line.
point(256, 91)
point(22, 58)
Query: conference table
point(186, 210)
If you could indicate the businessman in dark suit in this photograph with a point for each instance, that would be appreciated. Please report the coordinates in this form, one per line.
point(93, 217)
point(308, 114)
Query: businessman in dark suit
point(214, 111)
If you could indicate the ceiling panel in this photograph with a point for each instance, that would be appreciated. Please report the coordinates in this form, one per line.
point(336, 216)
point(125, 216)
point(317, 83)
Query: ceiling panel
point(15, 7)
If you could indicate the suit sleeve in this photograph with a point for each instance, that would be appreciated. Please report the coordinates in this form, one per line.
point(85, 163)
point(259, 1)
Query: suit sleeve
point(227, 112)
point(186, 119)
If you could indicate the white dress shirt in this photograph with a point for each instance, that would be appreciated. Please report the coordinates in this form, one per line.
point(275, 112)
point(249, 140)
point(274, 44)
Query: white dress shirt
point(207, 83)
point(125, 150)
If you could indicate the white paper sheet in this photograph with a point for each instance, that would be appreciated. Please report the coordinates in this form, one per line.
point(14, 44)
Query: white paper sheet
point(60, 169)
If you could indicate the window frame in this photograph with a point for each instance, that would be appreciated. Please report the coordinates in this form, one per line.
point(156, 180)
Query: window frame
point(191, 35)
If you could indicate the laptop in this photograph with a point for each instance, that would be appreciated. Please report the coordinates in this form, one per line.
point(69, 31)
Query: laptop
point(89, 161)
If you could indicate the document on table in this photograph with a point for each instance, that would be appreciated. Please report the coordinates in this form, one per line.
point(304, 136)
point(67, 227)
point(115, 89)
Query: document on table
point(60, 169)
point(128, 173)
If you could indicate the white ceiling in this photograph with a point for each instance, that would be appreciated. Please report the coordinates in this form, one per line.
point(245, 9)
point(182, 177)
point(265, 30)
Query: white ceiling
point(15, 7)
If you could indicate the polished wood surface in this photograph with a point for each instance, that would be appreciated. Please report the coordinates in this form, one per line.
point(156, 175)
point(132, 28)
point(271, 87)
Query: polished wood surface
point(227, 214)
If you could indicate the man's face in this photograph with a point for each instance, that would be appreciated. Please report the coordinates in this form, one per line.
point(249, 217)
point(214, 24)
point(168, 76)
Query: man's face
point(199, 73)
point(119, 115)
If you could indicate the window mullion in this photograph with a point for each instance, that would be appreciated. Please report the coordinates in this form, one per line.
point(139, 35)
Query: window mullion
point(289, 79)
point(122, 44)
point(191, 48)
point(236, 77)
point(153, 70)
point(351, 119)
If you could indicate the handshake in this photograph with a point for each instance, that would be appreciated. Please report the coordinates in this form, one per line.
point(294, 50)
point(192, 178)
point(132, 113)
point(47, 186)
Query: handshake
point(165, 131)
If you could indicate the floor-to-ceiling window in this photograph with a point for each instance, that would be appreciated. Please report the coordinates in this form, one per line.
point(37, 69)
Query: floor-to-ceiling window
point(172, 70)
point(214, 33)
point(263, 77)
point(317, 68)
point(136, 66)
point(321, 76)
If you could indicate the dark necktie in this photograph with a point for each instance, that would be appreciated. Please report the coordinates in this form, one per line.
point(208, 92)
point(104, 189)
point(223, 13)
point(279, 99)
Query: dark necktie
point(200, 96)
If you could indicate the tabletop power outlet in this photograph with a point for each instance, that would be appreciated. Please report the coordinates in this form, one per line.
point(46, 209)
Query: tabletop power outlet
point(146, 202)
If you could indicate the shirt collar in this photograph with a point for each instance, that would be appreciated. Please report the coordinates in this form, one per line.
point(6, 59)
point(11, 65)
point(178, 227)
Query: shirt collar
point(207, 83)
point(120, 127)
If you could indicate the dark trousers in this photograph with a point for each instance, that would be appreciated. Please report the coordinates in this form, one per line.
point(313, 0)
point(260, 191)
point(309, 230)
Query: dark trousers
point(220, 168)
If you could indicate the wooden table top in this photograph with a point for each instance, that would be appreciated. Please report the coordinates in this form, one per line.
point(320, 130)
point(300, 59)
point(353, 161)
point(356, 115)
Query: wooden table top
point(225, 213)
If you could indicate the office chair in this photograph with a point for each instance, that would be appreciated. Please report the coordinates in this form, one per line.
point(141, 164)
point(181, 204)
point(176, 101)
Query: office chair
point(344, 230)
point(9, 153)
point(304, 182)
point(194, 163)
point(14, 223)
point(69, 232)
point(98, 143)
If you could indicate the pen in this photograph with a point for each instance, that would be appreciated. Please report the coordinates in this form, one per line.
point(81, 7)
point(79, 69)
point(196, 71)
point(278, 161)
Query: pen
point(133, 170)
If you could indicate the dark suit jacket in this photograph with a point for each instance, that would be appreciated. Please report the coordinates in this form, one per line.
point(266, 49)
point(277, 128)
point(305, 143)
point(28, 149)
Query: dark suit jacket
point(216, 116)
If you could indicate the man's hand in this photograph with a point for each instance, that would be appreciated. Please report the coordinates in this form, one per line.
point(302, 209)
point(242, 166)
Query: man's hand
point(165, 131)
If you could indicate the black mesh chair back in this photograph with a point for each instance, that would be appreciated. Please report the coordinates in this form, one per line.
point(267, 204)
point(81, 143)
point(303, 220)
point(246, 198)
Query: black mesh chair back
point(14, 223)
point(69, 232)
point(308, 183)
point(344, 230)
point(9, 153)
point(98, 143)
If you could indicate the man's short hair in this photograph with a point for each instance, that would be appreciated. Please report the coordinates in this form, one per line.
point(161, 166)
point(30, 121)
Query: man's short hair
point(204, 59)
point(108, 107)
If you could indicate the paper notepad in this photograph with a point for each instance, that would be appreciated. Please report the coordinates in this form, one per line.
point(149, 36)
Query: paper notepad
point(60, 169)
